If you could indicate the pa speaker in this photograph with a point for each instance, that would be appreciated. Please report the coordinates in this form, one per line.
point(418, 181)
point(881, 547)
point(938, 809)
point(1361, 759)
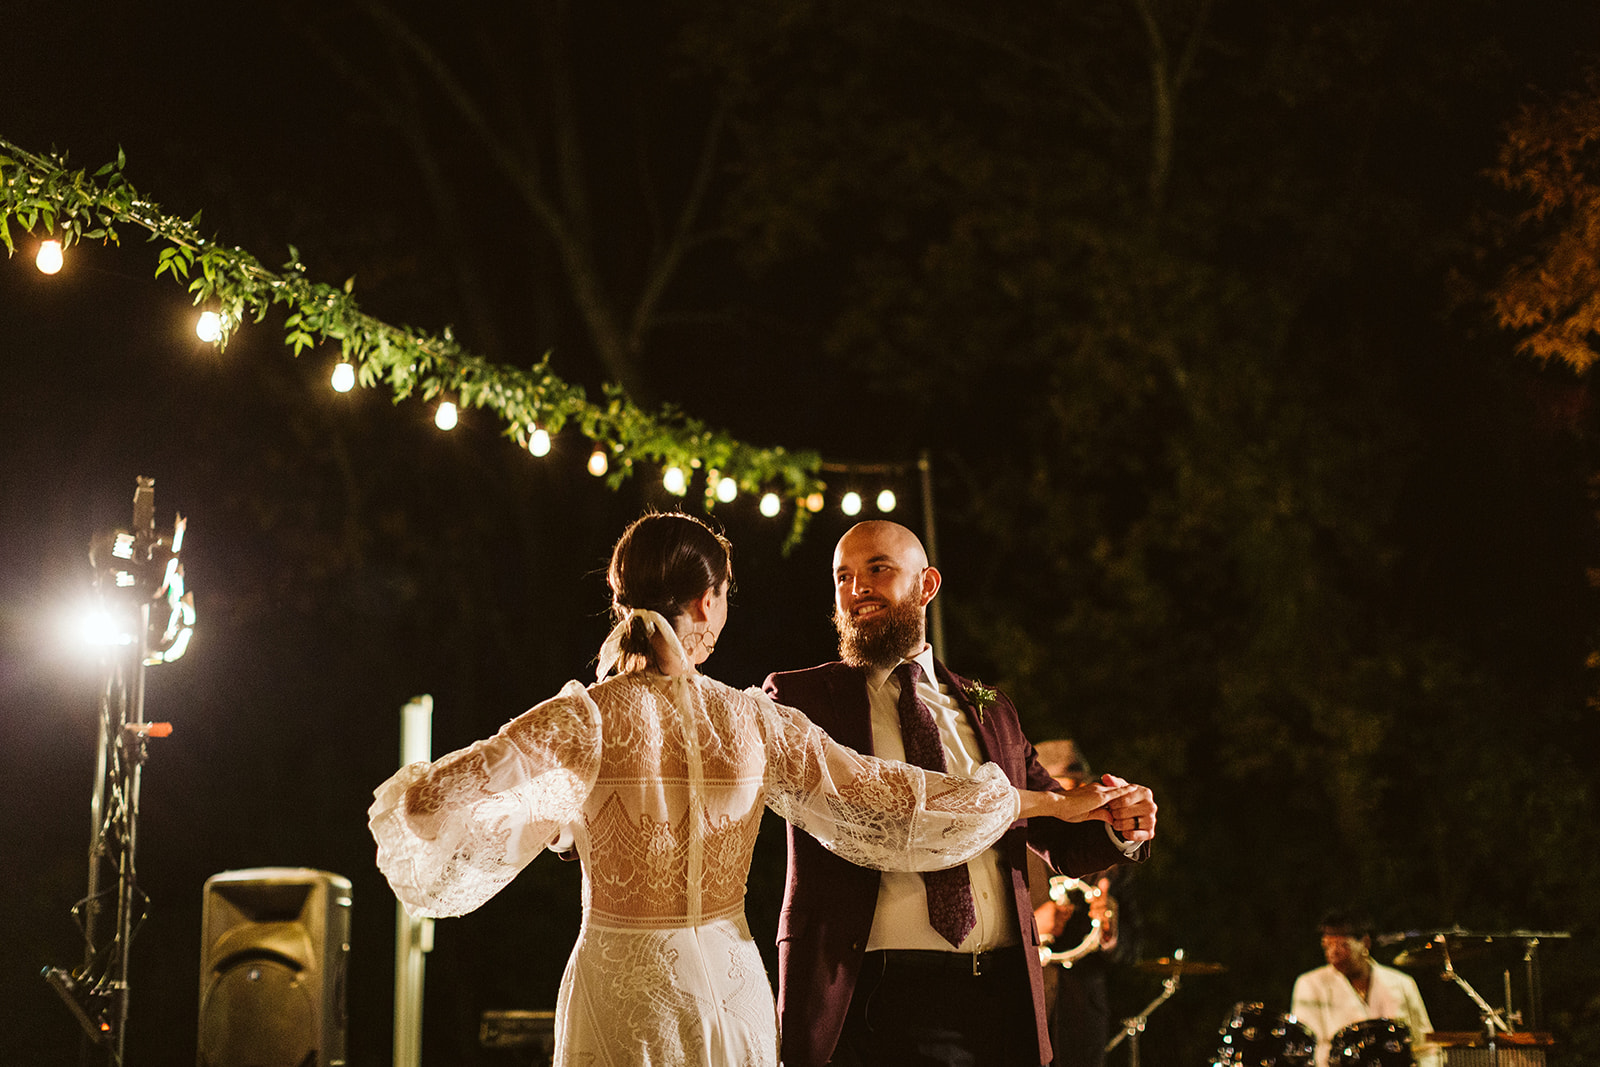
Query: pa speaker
point(274, 946)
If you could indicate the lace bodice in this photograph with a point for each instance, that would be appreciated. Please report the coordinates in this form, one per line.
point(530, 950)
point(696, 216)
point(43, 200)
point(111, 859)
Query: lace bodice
point(660, 782)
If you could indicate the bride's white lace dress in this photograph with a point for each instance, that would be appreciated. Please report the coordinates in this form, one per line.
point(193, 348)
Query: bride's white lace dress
point(661, 781)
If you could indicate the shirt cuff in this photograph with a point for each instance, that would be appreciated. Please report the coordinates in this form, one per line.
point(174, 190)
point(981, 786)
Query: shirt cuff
point(1127, 848)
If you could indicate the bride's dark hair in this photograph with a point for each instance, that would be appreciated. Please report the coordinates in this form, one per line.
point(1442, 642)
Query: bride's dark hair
point(664, 562)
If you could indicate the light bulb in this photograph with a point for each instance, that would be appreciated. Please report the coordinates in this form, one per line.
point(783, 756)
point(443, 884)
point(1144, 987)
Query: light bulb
point(814, 503)
point(598, 464)
point(770, 505)
point(727, 489)
point(446, 417)
point(851, 504)
point(886, 500)
point(49, 259)
point(539, 441)
point(209, 327)
point(673, 481)
point(344, 377)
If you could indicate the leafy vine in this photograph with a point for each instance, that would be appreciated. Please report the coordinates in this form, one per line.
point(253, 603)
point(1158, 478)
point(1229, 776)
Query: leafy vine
point(40, 192)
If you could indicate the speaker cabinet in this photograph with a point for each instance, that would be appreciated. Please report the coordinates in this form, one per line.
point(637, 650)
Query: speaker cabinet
point(275, 943)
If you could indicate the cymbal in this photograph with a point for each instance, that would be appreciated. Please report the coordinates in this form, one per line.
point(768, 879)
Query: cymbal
point(1170, 966)
point(1455, 934)
point(1432, 954)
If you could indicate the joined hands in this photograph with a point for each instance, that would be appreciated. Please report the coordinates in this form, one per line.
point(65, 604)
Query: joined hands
point(1128, 809)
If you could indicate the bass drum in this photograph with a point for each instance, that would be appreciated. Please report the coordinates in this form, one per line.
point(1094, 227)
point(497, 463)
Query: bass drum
point(1251, 1036)
point(1372, 1043)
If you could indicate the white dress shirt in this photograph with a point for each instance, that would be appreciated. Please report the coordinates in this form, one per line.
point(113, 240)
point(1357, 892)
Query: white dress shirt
point(901, 919)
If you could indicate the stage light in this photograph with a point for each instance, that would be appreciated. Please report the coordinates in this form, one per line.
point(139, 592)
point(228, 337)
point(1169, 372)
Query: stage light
point(446, 417)
point(598, 463)
point(344, 376)
point(851, 503)
point(727, 489)
point(49, 259)
point(99, 628)
point(674, 482)
point(770, 505)
point(886, 500)
point(814, 503)
point(209, 327)
point(539, 441)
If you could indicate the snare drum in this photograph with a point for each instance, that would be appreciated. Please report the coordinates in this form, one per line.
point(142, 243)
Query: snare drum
point(1251, 1036)
point(1372, 1043)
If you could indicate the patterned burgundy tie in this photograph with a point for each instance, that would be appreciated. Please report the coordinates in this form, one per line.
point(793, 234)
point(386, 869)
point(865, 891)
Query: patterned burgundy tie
point(950, 909)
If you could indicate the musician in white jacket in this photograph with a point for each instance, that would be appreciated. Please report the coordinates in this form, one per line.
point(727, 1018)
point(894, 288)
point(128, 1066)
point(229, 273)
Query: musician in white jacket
point(1354, 987)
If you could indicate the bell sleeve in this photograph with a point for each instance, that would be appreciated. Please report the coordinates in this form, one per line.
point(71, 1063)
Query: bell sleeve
point(874, 812)
point(454, 832)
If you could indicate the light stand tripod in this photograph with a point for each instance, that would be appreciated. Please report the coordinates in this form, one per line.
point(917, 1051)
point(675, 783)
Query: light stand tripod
point(132, 571)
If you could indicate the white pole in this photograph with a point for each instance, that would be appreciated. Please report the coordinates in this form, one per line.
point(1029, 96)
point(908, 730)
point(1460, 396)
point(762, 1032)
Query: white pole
point(413, 937)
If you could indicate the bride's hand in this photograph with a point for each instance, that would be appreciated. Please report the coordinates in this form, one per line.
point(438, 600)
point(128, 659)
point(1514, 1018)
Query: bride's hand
point(1085, 803)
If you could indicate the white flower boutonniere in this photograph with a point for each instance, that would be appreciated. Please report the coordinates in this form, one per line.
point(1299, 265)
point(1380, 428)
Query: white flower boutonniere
point(979, 696)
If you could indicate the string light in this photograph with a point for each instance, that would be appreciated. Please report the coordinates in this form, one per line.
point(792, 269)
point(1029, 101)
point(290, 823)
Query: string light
point(770, 505)
point(209, 327)
point(344, 376)
point(446, 416)
point(539, 441)
point(49, 259)
point(598, 462)
point(814, 503)
point(886, 500)
point(851, 503)
point(674, 482)
point(727, 489)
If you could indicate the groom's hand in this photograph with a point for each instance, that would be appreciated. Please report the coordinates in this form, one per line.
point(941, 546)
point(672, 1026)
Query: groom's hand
point(1132, 813)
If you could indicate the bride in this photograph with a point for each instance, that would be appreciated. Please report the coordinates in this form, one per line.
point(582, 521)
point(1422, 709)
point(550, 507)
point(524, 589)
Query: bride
point(659, 775)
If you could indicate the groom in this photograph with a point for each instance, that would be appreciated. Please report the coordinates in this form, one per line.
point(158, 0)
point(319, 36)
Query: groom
point(906, 968)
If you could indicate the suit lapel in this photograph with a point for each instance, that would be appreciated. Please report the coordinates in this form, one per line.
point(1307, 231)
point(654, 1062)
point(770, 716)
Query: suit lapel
point(982, 725)
point(853, 725)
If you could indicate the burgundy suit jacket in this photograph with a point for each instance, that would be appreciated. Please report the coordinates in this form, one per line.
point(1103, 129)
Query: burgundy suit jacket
point(829, 902)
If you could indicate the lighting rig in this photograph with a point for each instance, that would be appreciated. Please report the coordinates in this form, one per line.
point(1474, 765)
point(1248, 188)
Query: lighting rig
point(144, 616)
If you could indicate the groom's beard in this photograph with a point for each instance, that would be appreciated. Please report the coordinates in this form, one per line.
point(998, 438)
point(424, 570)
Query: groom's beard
point(883, 638)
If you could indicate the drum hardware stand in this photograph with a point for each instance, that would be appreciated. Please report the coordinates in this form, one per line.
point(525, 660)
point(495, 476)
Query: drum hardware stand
point(1493, 1021)
point(1134, 1026)
point(1530, 965)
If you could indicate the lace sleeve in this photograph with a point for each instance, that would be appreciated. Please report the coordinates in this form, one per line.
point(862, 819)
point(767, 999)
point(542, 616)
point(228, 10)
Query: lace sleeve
point(452, 833)
point(874, 812)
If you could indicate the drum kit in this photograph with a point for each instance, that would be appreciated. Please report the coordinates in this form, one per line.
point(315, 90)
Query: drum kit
point(1251, 1036)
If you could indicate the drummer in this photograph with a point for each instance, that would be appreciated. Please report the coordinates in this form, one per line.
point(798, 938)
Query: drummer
point(1354, 987)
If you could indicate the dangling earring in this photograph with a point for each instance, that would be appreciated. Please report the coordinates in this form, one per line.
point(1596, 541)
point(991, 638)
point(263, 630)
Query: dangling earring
point(696, 639)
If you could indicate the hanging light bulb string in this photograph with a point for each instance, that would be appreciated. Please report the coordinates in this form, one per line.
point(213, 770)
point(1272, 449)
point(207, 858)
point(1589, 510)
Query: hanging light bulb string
point(39, 191)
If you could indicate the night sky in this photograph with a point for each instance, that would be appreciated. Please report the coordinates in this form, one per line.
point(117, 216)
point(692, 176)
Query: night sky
point(346, 556)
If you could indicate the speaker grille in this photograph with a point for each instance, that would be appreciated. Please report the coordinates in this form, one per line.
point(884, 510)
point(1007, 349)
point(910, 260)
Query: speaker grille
point(275, 942)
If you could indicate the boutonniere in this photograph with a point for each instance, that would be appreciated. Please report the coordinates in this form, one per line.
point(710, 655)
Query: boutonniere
point(979, 696)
